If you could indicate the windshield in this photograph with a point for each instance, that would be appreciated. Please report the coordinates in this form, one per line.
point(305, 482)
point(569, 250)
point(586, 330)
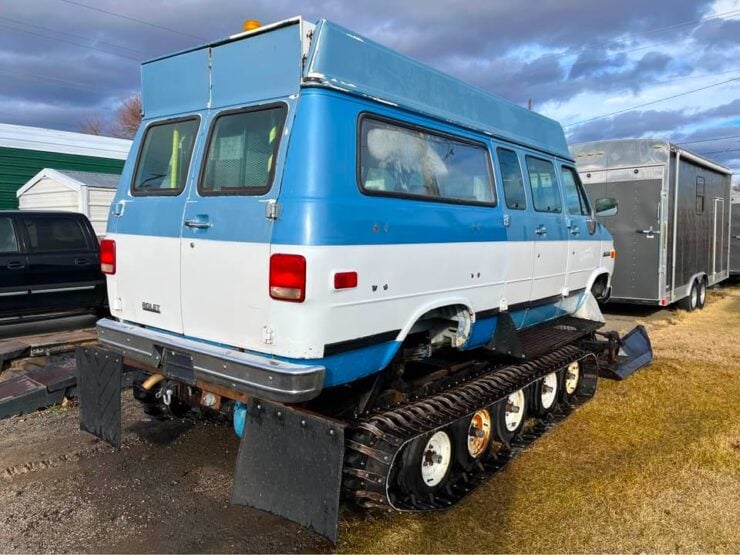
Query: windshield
point(165, 157)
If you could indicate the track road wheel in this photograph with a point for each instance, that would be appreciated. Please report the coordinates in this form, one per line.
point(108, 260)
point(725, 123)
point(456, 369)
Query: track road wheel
point(426, 463)
point(571, 379)
point(472, 438)
point(691, 302)
point(702, 295)
point(510, 416)
point(545, 394)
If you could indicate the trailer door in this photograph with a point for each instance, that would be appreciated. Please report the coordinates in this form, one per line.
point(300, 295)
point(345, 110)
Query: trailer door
point(719, 245)
point(636, 231)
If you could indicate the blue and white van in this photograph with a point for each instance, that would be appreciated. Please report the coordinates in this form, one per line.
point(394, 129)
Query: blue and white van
point(300, 201)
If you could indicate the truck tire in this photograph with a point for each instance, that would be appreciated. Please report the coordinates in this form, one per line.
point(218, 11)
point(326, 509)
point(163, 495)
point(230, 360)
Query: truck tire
point(690, 303)
point(702, 295)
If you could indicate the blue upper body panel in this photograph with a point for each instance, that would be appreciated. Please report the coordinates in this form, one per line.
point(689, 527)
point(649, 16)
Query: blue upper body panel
point(316, 184)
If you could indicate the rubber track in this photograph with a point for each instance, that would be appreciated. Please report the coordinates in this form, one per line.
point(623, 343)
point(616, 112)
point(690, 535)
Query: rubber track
point(375, 442)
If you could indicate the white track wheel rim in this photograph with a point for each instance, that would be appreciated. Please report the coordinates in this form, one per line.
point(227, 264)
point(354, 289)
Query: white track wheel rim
point(514, 410)
point(572, 377)
point(436, 459)
point(549, 391)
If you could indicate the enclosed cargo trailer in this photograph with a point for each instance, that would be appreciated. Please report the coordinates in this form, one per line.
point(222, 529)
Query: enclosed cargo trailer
point(672, 225)
point(735, 238)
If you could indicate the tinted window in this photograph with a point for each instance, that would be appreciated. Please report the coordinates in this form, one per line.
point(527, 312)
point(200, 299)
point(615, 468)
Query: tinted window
point(165, 158)
point(55, 234)
point(543, 185)
point(242, 152)
point(700, 188)
point(511, 172)
point(401, 161)
point(8, 240)
point(575, 198)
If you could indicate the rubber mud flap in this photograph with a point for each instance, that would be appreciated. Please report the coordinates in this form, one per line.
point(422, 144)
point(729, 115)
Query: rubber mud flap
point(99, 374)
point(635, 352)
point(290, 464)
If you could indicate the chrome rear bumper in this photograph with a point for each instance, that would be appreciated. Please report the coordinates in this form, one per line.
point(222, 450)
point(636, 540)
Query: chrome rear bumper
point(246, 373)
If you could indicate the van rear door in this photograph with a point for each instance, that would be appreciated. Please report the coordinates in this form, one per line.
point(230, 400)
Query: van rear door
point(227, 227)
point(146, 224)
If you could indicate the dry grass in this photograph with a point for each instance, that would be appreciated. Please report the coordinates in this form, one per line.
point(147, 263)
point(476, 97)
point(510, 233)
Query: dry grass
point(651, 464)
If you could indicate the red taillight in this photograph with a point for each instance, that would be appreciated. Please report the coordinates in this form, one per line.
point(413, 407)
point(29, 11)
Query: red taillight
point(108, 256)
point(345, 280)
point(288, 277)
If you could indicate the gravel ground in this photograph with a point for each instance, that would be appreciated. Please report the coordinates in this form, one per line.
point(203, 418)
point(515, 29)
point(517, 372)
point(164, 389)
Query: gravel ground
point(166, 491)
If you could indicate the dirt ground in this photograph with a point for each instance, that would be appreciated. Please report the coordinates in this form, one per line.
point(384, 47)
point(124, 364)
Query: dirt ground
point(651, 464)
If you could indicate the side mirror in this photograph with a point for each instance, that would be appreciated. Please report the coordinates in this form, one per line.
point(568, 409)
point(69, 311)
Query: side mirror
point(606, 206)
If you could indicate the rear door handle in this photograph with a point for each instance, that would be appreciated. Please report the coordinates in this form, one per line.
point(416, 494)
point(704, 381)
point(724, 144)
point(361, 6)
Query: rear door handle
point(16, 265)
point(541, 230)
point(82, 261)
point(197, 224)
point(574, 230)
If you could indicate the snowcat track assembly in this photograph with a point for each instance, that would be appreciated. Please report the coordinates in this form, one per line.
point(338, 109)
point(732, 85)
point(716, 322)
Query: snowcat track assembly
point(376, 442)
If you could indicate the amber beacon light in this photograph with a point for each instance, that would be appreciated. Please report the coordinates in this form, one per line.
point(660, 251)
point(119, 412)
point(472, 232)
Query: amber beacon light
point(252, 24)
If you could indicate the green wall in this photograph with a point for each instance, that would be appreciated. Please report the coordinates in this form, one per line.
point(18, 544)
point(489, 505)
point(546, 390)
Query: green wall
point(17, 166)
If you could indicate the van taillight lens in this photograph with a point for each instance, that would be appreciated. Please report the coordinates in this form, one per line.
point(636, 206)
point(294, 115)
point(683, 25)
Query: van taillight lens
point(288, 277)
point(108, 256)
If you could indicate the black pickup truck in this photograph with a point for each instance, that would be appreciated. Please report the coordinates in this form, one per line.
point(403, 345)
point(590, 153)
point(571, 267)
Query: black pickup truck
point(49, 266)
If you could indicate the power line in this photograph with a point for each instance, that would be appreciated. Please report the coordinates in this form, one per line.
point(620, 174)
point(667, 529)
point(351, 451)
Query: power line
point(70, 42)
point(55, 31)
point(720, 151)
point(129, 18)
point(49, 78)
point(709, 140)
point(652, 102)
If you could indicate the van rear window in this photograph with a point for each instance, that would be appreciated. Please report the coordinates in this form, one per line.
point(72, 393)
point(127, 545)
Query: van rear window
point(242, 152)
point(164, 160)
point(396, 160)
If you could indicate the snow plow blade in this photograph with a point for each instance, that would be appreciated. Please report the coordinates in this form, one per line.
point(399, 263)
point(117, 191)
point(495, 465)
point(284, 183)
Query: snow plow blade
point(290, 464)
point(635, 351)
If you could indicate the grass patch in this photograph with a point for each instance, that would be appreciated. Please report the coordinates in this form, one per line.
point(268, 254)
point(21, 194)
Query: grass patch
point(651, 464)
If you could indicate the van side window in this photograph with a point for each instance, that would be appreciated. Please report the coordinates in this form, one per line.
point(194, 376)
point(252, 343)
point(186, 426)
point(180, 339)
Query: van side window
point(576, 200)
point(700, 189)
point(543, 185)
point(8, 240)
point(55, 234)
point(164, 159)
point(397, 160)
point(511, 172)
point(242, 152)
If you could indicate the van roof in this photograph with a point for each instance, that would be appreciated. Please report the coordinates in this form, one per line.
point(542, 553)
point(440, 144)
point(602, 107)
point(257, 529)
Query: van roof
point(285, 56)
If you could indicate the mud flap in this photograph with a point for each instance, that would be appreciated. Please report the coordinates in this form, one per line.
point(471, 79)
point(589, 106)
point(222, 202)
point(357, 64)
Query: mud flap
point(635, 351)
point(290, 464)
point(99, 374)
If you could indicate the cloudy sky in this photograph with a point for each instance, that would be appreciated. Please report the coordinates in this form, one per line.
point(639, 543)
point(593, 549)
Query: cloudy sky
point(608, 69)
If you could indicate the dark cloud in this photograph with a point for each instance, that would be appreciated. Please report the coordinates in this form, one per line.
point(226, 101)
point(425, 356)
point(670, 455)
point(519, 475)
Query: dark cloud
point(61, 63)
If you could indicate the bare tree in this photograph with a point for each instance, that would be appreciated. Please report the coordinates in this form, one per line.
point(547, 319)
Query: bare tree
point(128, 118)
point(93, 126)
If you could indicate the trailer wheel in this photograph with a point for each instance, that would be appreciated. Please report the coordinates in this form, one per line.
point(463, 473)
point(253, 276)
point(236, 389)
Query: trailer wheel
point(690, 303)
point(426, 463)
point(702, 298)
point(510, 416)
